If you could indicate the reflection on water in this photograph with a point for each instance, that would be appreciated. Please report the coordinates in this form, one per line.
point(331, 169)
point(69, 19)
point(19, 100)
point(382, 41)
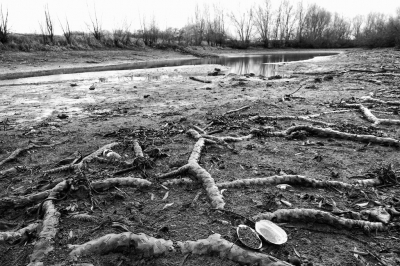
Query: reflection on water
point(259, 64)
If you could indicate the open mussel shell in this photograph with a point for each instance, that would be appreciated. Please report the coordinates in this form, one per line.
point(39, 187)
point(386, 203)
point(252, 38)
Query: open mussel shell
point(271, 232)
point(248, 237)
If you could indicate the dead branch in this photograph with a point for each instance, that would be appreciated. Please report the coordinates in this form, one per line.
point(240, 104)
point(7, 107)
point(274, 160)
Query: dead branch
point(17, 235)
point(237, 110)
point(297, 180)
point(311, 215)
point(194, 169)
point(215, 244)
point(370, 117)
point(140, 243)
point(369, 99)
point(200, 80)
point(123, 181)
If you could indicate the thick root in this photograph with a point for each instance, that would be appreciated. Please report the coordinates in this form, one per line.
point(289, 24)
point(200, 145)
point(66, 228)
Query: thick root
point(214, 244)
point(194, 169)
point(140, 243)
point(123, 181)
point(297, 180)
point(17, 235)
point(311, 215)
point(46, 237)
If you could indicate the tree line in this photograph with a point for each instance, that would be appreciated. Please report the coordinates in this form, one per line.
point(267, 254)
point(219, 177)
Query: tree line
point(287, 24)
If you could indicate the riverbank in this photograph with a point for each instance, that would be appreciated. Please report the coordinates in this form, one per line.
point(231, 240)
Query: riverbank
point(69, 119)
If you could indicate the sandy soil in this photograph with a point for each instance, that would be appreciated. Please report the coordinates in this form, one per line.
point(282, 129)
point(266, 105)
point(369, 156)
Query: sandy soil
point(157, 107)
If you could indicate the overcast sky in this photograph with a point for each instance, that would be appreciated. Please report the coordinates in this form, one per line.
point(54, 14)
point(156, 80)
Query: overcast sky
point(24, 15)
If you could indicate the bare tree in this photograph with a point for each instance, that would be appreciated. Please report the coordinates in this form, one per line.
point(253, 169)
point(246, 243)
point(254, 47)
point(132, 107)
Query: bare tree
point(356, 26)
point(47, 29)
point(288, 21)
point(243, 24)
point(199, 25)
point(277, 24)
point(4, 29)
point(317, 21)
point(95, 26)
point(262, 21)
point(66, 31)
point(300, 15)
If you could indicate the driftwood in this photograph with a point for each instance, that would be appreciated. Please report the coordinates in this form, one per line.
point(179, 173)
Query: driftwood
point(371, 117)
point(200, 80)
point(194, 169)
point(369, 99)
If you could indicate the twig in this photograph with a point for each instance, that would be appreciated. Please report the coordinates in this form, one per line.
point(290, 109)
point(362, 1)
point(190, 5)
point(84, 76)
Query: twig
point(237, 110)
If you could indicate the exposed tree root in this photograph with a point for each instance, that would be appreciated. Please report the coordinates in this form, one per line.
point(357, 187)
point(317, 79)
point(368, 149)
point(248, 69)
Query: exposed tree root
point(311, 215)
point(369, 99)
point(21, 201)
point(123, 181)
point(45, 242)
point(327, 132)
point(371, 117)
point(12, 170)
point(17, 235)
point(140, 243)
point(297, 180)
point(216, 245)
point(194, 169)
point(46, 237)
point(18, 151)
point(96, 154)
point(152, 247)
point(200, 80)
point(81, 164)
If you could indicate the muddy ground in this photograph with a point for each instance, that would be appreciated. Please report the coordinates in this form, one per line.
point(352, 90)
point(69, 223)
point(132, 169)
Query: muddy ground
point(157, 107)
